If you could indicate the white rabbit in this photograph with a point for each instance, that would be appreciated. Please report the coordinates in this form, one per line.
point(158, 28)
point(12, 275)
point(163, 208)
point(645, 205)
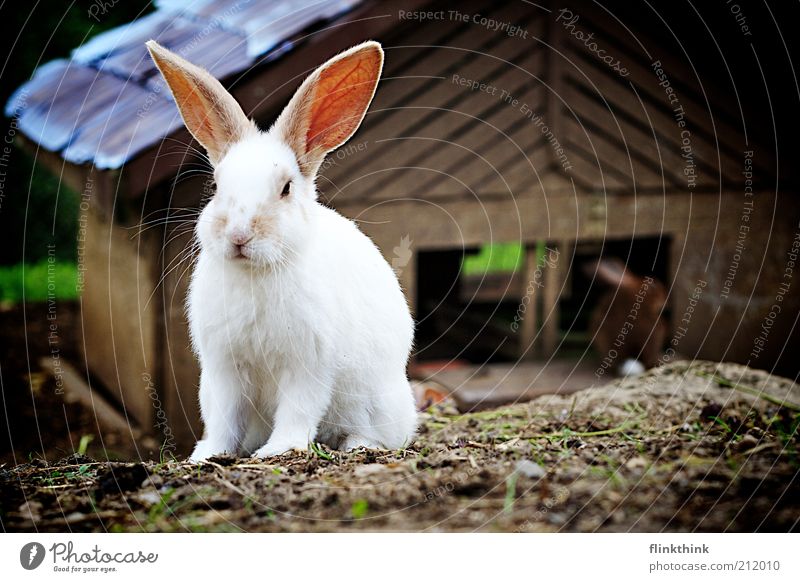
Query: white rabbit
point(299, 323)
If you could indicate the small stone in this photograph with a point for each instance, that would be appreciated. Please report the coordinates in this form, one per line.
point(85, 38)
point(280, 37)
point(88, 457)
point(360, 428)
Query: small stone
point(74, 517)
point(748, 442)
point(636, 463)
point(149, 498)
point(557, 518)
point(31, 510)
point(529, 469)
point(154, 481)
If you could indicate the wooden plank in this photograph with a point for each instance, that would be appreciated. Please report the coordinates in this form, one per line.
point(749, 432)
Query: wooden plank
point(468, 48)
point(680, 69)
point(597, 130)
point(590, 171)
point(451, 168)
point(443, 112)
point(611, 153)
point(488, 386)
point(119, 312)
point(458, 170)
point(77, 389)
point(706, 145)
point(553, 278)
point(527, 170)
point(528, 305)
point(560, 215)
point(646, 143)
point(179, 369)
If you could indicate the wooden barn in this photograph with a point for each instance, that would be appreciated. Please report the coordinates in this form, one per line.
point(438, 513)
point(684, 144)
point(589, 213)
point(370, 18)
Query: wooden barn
point(495, 122)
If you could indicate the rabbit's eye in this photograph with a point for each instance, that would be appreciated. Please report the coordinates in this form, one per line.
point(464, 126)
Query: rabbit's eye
point(285, 191)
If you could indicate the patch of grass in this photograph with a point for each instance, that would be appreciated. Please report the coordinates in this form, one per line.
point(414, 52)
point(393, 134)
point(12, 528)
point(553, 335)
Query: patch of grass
point(159, 508)
point(83, 445)
point(495, 258)
point(569, 433)
point(359, 508)
point(722, 423)
point(500, 413)
point(165, 455)
point(164, 509)
point(48, 279)
point(724, 382)
point(83, 471)
point(511, 492)
point(318, 450)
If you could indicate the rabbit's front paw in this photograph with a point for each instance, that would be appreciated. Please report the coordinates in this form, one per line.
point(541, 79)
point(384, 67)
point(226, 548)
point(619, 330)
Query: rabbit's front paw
point(205, 449)
point(272, 449)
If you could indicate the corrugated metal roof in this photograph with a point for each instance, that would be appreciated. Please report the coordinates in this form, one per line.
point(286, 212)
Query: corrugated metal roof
point(107, 104)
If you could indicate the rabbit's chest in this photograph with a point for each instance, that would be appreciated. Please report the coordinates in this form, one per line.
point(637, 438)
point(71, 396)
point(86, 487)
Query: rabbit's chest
point(255, 327)
point(259, 323)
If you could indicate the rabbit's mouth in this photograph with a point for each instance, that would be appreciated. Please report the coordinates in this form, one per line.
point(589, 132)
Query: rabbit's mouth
point(241, 253)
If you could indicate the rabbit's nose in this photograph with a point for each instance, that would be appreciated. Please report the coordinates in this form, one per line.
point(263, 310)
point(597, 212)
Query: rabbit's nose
point(240, 237)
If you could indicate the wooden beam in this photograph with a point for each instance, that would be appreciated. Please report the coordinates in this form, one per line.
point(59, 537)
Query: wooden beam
point(528, 304)
point(553, 279)
point(462, 222)
point(77, 389)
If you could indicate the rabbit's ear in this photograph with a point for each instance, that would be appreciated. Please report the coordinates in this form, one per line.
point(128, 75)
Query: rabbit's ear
point(210, 113)
point(330, 104)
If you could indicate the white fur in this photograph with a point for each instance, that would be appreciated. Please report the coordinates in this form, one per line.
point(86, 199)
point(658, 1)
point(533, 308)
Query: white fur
point(307, 338)
point(299, 323)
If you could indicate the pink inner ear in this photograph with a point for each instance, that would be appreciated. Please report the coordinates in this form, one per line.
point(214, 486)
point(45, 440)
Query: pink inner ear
point(341, 97)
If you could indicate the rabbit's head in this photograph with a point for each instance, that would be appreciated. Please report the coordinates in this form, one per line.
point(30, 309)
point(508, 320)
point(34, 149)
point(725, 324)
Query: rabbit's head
point(265, 179)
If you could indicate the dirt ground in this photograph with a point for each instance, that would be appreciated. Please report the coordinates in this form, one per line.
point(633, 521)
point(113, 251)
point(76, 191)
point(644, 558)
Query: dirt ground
point(688, 447)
